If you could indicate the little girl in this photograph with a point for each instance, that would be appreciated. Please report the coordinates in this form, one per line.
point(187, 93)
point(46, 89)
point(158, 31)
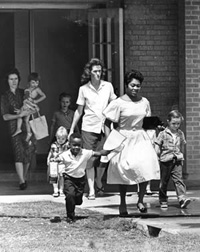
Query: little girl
point(57, 148)
point(32, 96)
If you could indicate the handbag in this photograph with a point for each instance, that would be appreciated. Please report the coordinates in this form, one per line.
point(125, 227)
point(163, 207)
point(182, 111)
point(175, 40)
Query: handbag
point(53, 172)
point(39, 126)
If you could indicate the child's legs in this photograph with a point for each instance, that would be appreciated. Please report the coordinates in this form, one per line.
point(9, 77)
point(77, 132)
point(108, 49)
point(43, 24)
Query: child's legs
point(176, 174)
point(55, 187)
point(60, 183)
point(80, 184)
point(165, 173)
point(19, 123)
point(70, 192)
point(28, 127)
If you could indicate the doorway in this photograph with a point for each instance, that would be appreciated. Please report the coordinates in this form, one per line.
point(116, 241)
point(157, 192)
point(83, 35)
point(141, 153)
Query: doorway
point(53, 43)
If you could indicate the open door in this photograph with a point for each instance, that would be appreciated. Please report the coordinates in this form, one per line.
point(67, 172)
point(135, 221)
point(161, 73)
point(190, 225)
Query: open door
point(106, 43)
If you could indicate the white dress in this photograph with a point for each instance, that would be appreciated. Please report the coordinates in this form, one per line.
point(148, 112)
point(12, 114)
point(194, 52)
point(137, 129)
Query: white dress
point(137, 162)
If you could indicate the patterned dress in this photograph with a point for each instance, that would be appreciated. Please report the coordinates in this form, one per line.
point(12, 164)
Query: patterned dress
point(10, 102)
point(137, 162)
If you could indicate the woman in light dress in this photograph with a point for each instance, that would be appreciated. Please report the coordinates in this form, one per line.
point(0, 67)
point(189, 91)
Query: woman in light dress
point(137, 163)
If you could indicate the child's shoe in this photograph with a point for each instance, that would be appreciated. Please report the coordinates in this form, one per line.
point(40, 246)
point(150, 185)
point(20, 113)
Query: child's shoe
point(184, 202)
point(55, 194)
point(163, 204)
point(61, 193)
point(69, 220)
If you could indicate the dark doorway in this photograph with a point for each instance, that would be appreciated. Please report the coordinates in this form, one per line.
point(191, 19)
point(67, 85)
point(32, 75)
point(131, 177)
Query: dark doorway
point(6, 63)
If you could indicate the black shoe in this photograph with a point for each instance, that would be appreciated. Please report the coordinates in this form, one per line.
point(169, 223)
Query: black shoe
point(70, 220)
point(55, 219)
point(184, 202)
point(22, 186)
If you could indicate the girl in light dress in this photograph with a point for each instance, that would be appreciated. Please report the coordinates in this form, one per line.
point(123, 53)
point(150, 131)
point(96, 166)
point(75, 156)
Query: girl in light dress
point(32, 96)
point(137, 163)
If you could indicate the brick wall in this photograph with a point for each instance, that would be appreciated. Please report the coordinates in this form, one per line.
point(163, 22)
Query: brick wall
point(151, 46)
point(192, 45)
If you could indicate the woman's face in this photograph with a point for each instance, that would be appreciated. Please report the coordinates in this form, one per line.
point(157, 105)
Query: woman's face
point(133, 88)
point(13, 81)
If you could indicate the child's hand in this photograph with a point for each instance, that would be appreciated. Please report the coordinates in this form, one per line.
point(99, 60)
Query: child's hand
point(105, 152)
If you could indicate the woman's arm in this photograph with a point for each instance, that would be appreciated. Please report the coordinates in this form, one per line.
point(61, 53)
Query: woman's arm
point(9, 117)
point(77, 115)
point(107, 127)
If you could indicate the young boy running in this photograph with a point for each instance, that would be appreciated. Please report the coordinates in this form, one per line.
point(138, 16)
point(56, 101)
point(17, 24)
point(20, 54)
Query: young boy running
point(169, 146)
point(75, 162)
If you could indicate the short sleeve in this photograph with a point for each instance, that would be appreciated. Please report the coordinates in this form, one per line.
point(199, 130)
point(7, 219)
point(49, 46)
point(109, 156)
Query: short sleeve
point(4, 105)
point(148, 109)
point(112, 111)
point(81, 98)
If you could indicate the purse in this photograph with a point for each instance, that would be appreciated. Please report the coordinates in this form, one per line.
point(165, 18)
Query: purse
point(39, 126)
point(53, 172)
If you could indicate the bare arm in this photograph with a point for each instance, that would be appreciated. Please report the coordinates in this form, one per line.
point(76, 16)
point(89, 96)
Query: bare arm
point(41, 94)
point(107, 127)
point(9, 117)
point(77, 115)
point(101, 153)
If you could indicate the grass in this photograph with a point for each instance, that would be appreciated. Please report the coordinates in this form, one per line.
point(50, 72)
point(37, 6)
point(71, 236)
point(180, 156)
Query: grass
point(27, 227)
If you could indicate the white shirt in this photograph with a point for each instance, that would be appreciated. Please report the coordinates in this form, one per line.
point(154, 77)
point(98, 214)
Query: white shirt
point(75, 166)
point(95, 101)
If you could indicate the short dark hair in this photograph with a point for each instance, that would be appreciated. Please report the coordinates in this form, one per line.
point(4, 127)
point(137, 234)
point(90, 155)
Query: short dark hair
point(33, 76)
point(63, 94)
point(13, 71)
point(133, 74)
point(174, 114)
point(75, 135)
point(86, 76)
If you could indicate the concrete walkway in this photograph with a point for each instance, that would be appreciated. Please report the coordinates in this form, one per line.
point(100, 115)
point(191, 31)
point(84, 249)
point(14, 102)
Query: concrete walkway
point(155, 222)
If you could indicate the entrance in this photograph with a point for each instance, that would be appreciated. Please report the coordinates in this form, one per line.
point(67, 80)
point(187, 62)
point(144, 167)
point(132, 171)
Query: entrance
point(54, 44)
point(57, 44)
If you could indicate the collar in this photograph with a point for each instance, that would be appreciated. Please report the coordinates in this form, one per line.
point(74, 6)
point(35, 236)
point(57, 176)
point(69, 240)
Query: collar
point(102, 83)
point(72, 156)
point(169, 131)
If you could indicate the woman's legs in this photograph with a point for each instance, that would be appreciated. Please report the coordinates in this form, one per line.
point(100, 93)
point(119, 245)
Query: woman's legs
point(142, 190)
point(141, 193)
point(122, 206)
point(22, 171)
point(90, 178)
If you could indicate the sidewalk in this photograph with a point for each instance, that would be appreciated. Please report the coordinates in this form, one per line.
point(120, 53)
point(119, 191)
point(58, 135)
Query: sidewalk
point(155, 222)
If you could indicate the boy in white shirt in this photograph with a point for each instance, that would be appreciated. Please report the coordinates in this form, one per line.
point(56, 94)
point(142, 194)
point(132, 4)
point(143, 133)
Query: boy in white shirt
point(75, 163)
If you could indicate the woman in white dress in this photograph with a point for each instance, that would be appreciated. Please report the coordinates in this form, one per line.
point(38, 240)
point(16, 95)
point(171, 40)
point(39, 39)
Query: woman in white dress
point(137, 163)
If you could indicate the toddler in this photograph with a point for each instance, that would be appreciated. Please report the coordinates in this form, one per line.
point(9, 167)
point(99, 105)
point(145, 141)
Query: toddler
point(55, 169)
point(32, 96)
point(169, 146)
point(75, 162)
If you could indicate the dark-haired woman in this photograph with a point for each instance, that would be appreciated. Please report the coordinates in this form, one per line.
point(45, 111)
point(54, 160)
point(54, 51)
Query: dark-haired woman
point(93, 97)
point(11, 102)
point(137, 163)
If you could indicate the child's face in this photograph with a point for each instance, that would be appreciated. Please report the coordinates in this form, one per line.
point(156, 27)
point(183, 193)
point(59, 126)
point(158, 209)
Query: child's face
point(75, 145)
point(61, 139)
point(33, 83)
point(64, 103)
point(174, 124)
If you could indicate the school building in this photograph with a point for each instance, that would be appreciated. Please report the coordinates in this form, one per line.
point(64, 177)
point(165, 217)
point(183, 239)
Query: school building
point(161, 38)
